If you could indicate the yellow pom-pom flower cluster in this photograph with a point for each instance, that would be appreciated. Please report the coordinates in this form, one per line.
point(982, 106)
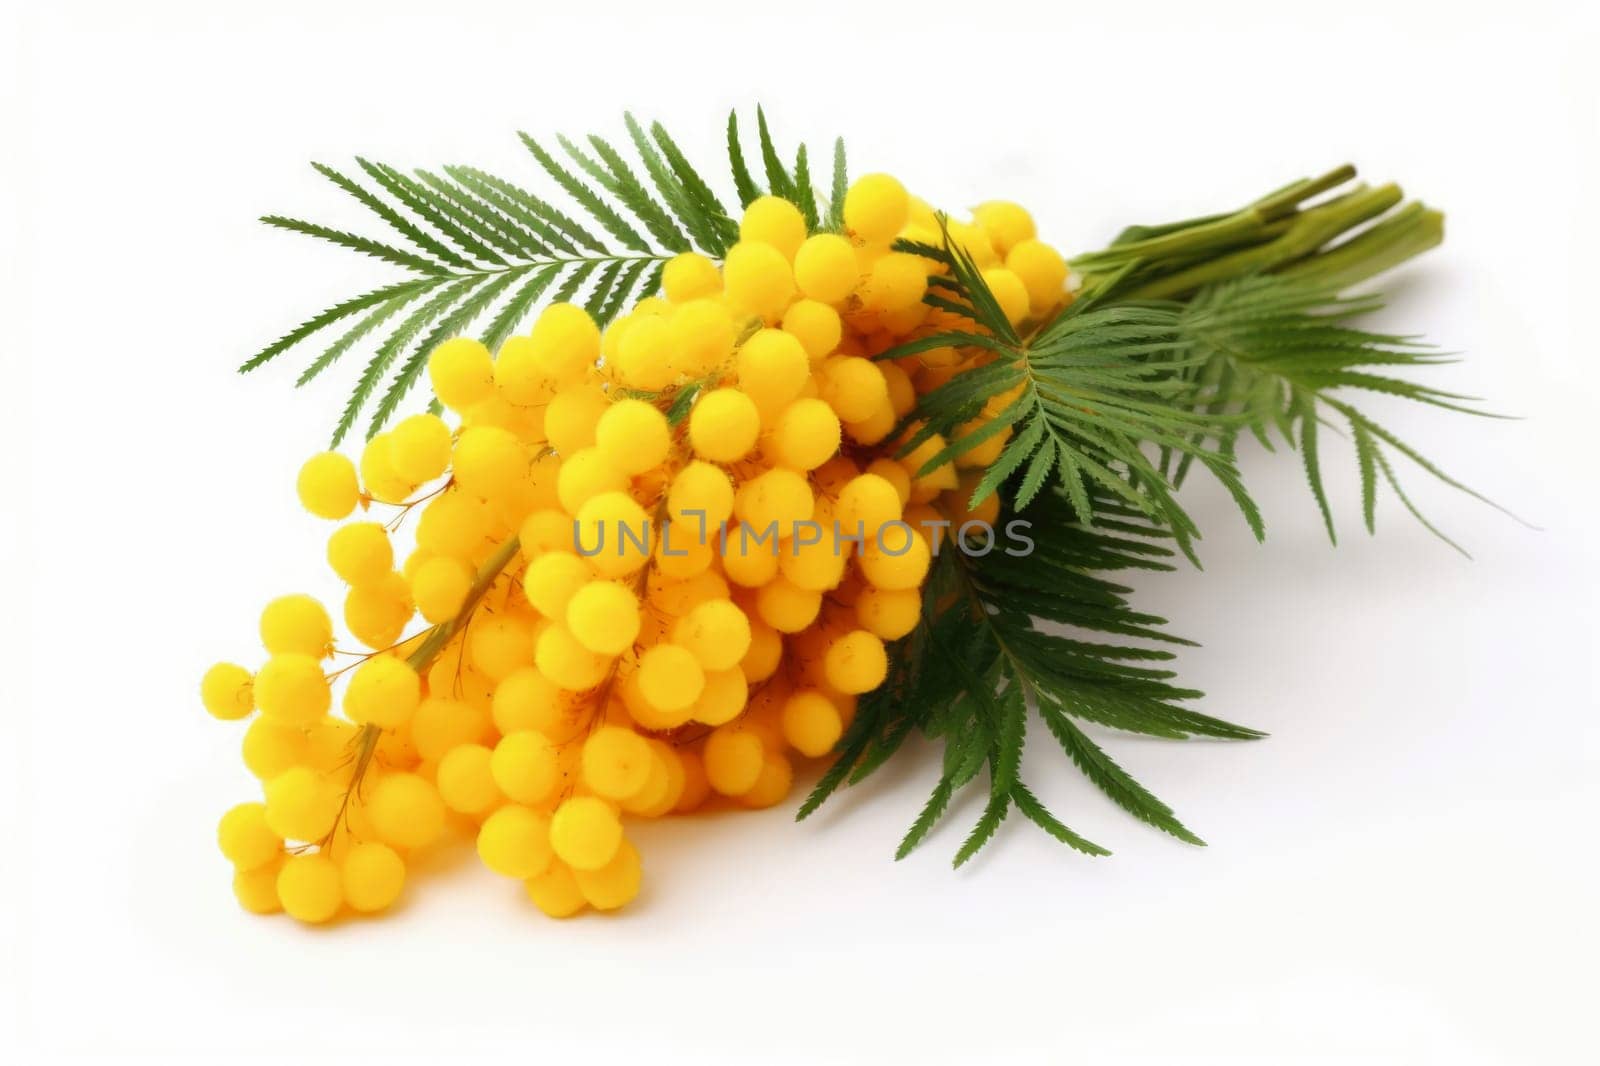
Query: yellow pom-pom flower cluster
point(606, 614)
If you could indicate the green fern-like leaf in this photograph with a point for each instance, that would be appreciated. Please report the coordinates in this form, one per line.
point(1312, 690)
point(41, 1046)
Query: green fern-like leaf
point(1004, 632)
point(778, 179)
point(586, 197)
point(403, 225)
point(442, 215)
point(483, 249)
point(1280, 356)
point(391, 347)
point(804, 194)
point(743, 183)
point(366, 246)
point(356, 333)
point(1099, 385)
point(479, 297)
point(834, 222)
point(617, 178)
point(338, 312)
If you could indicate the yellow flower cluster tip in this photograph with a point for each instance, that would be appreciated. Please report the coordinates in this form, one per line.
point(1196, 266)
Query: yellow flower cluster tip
point(623, 618)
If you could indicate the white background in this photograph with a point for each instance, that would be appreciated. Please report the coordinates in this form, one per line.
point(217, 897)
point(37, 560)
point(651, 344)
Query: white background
point(1404, 871)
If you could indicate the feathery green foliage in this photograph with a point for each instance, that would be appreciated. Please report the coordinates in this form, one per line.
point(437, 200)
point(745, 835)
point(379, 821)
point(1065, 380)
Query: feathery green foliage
point(1184, 336)
point(484, 252)
point(1006, 630)
point(1099, 383)
point(1123, 392)
point(1280, 354)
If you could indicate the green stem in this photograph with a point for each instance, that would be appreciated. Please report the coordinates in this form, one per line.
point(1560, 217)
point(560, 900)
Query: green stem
point(1272, 235)
point(440, 634)
point(1309, 232)
point(536, 264)
point(1284, 201)
point(366, 742)
point(1408, 232)
point(1187, 240)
